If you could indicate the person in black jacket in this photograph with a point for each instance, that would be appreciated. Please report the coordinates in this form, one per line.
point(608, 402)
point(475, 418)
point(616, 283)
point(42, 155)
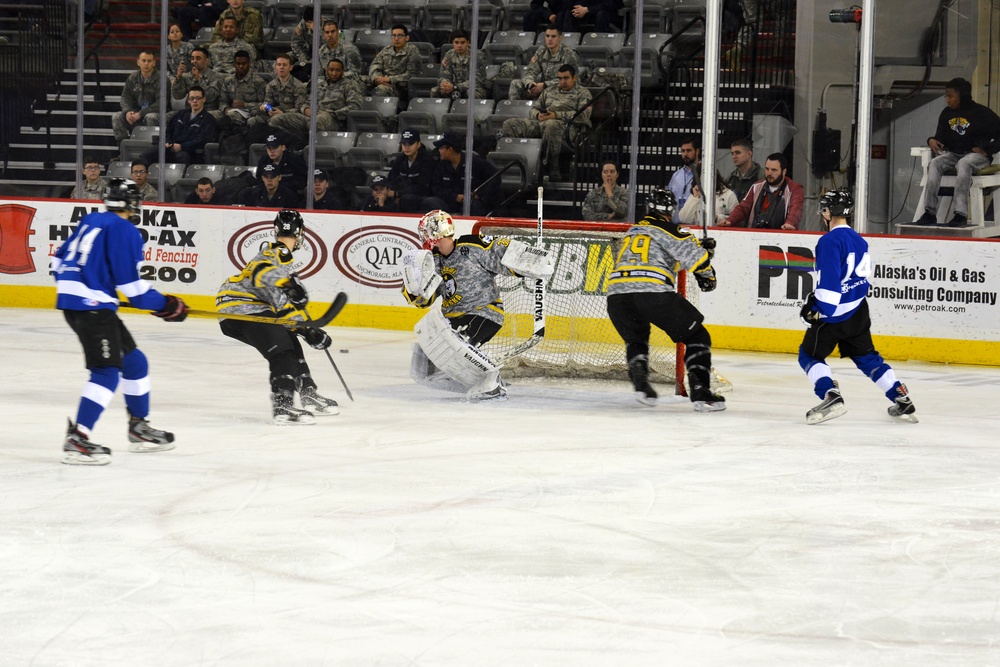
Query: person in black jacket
point(187, 132)
point(382, 199)
point(270, 193)
point(292, 167)
point(411, 172)
point(326, 198)
point(448, 184)
point(967, 136)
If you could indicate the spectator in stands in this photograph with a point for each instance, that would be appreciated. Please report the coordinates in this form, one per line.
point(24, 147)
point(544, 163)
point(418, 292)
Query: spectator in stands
point(448, 181)
point(241, 94)
point(694, 209)
point(326, 198)
point(554, 118)
point(291, 167)
point(269, 192)
point(334, 47)
point(682, 180)
point(608, 201)
point(746, 172)
point(301, 48)
point(383, 199)
point(140, 99)
point(223, 52)
point(411, 172)
point(178, 51)
point(543, 70)
point(774, 203)
point(580, 14)
point(543, 13)
point(201, 75)
point(965, 139)
point(454, 80)
point(753, 11)
point(92, 186)
point(204, 13)
point(187, 132)
point(249, 23)
point(336, 96)
point(395, 65)
point(283, 94)
point(140, 174)
point(204, 192)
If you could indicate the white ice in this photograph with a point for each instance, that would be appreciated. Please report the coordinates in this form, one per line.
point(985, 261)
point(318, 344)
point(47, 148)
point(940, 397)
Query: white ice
point(568, 526)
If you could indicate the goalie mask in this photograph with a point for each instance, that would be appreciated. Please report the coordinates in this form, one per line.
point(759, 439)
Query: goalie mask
point(289, 223)
point(122, 194)
point(840, 203)
point(661, 202)
point(435, 226)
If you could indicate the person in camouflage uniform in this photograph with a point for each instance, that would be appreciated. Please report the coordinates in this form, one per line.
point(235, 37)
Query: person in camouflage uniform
point(336, 96)
point(92, 186)
point(140, 98)
point(544, 66)
point(224, 51)
point(454, 81)
point(550, 118)
point(177, 50)
point(394, 65)
point(608, 201)
point(241, 93)
point(249, 22)
point(346, 52)
point(140, 174)
point(201, 75)
point(284, 93)
point(301, 48)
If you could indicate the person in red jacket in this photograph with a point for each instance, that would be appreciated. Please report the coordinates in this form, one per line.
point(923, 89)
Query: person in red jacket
point(774, 203)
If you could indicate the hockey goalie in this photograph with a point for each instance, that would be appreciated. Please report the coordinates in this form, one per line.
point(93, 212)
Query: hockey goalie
point(462, 272)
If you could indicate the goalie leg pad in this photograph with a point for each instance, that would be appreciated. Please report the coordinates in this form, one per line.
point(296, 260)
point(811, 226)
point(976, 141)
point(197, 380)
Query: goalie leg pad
point(526, 260)
point(451, 353)
point(424, 372)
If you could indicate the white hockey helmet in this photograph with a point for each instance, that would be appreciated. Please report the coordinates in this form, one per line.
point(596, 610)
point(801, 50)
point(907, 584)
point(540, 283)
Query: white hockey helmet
point(435, 226)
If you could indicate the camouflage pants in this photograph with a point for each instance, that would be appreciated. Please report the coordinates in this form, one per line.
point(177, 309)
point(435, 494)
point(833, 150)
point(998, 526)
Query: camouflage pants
point(123, 128)
point(298, 124)
point(519, 91)
point(551, 133)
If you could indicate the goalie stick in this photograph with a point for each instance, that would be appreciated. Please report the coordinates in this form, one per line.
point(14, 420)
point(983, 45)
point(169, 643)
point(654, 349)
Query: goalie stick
point(338, 304)
point(539, 308)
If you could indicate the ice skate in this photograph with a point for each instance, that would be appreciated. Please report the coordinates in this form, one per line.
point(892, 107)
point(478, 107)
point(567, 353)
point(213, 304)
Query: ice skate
point(831, 407)
point(704, 400)
point(285, 413)
point(145, 438)
point(638, 373)
point(496, 394)
point(79, 451)
point(903, 409)
point(316, 404)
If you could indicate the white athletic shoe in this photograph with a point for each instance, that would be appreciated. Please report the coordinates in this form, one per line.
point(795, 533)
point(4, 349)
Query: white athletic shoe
point(831, 407)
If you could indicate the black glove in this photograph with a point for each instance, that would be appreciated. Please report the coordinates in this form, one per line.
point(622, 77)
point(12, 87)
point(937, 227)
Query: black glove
point(174, 311)
point(296, 292)
point(708, 244)
point(705, 282)
point(808, 313)
point(315, 338)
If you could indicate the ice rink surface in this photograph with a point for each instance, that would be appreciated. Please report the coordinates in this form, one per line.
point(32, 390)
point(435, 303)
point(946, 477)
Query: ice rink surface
point(568, 526)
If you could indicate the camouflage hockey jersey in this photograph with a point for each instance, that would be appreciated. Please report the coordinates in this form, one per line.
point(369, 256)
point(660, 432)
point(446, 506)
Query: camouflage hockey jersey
point(256, 290)
point(468, 277)
point(652, 253)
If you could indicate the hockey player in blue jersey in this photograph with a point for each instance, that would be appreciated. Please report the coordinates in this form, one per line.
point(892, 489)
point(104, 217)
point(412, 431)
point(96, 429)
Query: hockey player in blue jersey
point(98, 260)
point(837, 315)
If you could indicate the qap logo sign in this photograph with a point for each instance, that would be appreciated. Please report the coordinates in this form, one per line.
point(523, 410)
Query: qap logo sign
point(245, 244)
point(373, 256)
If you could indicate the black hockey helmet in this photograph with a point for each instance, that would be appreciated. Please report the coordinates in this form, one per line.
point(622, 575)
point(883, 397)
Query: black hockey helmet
point(661, 202)
point(122, 194)
point(840, 203)
point(288, 222)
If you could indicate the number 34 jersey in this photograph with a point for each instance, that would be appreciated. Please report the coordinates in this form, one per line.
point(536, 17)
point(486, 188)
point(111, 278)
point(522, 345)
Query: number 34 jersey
point(99, 259)
point(842, 269)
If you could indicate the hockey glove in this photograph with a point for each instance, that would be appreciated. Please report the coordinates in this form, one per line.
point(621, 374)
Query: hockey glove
point(296, 292)
point(175, 309)
point(706, 283)
point(708, 243)
point(315, 338)
point(808, 314)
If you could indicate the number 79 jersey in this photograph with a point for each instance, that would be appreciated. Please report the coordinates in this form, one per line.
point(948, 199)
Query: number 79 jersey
point(842, 269)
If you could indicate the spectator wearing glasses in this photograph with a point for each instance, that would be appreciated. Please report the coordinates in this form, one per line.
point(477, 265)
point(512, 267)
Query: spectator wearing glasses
point(394, 65)
point(187, 132)
point(140, 174)
point(92, 186)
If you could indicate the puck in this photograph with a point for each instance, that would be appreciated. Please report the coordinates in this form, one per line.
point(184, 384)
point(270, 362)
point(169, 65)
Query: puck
point(344, 351)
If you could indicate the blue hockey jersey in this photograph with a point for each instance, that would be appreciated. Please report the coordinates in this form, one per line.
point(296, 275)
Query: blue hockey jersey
point(100, 258)
point(842, 269)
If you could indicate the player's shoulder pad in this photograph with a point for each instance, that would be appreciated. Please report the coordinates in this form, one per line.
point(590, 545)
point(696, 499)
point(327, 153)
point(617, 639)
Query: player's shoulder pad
point(279, 251)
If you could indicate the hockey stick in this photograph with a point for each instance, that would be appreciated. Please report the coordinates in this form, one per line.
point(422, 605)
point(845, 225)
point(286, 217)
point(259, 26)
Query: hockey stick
point(338, 304)
point(312, 323)
point(539, 310)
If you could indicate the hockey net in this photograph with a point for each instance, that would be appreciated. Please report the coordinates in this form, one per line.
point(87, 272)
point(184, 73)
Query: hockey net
point(579, 341)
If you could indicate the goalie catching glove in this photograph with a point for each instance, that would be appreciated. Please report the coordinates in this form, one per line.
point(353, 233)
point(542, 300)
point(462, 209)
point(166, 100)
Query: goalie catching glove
point(526, 260)
point(315, 338)
point(420, 278)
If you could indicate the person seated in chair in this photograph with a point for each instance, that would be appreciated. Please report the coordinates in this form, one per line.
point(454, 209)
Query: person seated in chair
point(270, 193)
